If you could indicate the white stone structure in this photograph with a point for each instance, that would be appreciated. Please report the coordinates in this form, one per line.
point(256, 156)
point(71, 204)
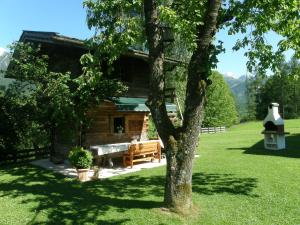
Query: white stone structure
point(274, 129)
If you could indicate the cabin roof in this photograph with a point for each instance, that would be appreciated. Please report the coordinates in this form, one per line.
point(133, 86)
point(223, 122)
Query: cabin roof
point(52, 38)
point(58, 39)
point(137, 105)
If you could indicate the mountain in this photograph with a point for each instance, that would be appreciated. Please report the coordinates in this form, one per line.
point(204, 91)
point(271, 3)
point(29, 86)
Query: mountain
point(4, 61)
point(238, 88)
point(237, 85)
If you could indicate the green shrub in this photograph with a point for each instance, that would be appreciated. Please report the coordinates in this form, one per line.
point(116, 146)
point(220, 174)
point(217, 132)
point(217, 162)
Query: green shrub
point(80, 158)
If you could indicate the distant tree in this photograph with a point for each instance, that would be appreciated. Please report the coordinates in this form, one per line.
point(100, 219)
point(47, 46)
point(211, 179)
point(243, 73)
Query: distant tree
point(282, 87)
point(254, 85)
point(220, 107)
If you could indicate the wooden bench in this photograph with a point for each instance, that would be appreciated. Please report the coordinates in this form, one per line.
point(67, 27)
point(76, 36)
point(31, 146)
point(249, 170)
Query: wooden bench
point(142, 151)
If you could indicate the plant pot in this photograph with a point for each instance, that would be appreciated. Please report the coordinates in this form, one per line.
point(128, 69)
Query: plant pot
point(83, 174)
point(97, 171)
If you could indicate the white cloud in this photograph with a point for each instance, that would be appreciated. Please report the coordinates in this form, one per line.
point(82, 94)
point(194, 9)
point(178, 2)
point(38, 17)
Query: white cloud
point(231, 74)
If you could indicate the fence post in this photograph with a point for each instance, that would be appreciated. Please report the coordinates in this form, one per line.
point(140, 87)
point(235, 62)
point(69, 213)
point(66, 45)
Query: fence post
point(210, 130)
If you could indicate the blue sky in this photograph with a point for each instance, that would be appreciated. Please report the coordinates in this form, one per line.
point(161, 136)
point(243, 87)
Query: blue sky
point(68, 17)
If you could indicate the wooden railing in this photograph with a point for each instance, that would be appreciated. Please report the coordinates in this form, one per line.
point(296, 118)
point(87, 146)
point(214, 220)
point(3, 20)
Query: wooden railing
point(211, 130)
point(24, 155)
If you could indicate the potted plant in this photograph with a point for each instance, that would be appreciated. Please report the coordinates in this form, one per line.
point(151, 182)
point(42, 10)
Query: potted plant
point(81, 159)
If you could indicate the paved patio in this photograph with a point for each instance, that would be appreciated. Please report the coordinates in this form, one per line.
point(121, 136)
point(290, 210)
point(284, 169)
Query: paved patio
point(67, 170)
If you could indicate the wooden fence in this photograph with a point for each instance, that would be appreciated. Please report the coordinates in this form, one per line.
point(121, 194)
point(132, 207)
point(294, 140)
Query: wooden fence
point(211, 130)
point(24, 155)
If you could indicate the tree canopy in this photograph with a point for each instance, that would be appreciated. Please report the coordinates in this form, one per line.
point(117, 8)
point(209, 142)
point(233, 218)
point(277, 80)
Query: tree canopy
point(120, 24)
point(282, 87)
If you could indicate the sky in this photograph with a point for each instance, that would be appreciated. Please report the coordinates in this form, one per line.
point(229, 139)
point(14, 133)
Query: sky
point(68, 17)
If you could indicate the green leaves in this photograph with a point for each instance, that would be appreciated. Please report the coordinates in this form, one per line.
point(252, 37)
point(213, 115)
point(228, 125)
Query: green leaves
point(118, 24)
point(22, 62)
point(184, 17)
point(256, 19)
point(92, 87)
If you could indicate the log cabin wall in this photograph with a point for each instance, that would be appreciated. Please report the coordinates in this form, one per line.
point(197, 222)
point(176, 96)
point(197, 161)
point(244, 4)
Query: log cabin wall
point(134, 73)
point(102, 131)
point(64, 59)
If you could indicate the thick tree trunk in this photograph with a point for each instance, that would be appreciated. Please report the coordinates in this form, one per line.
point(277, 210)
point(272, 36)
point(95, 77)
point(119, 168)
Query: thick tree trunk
point(178, 187)
point(180, 143)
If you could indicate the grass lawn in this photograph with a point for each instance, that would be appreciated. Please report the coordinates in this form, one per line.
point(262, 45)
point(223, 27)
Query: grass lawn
point(235, 181)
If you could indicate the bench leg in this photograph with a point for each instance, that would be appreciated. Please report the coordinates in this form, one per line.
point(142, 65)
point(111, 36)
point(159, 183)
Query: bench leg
point(124, 161)
point(131, 160)
point(159, 153)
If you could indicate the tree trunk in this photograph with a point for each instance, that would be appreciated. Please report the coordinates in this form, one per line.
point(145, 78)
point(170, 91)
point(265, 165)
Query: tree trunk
point(178, 187)
point(180, 143)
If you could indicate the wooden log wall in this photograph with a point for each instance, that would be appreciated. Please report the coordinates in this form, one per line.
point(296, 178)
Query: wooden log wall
point(101, 129)
point(134, 73)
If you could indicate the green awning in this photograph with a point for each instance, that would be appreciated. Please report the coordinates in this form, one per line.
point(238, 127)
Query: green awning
point(137, 105)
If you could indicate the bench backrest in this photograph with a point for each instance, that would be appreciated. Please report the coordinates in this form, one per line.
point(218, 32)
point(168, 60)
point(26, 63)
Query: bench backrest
point(145, 147)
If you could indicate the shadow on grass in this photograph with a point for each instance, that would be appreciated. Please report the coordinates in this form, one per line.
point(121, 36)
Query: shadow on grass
point(66, 201)
point(210, 184)
point(292, 148)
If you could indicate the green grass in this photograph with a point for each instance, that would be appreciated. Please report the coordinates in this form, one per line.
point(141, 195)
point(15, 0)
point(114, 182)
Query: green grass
point(235, 182)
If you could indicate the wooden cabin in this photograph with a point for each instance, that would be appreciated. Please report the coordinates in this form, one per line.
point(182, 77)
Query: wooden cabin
point(123, 121)
point(117, 121)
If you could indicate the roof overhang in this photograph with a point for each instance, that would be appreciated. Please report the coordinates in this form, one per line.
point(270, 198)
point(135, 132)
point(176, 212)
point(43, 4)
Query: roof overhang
point(51, 38)
point(125, 104)
point(58, 39)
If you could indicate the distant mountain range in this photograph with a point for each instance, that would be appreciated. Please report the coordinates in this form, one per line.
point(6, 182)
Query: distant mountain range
point(238, 88)
point(4, 61)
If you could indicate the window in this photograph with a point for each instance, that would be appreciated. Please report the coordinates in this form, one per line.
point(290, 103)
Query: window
point(119, 125)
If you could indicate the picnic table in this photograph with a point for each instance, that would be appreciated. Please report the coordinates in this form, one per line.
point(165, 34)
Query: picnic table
point(109, 148)
point(106, 150)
